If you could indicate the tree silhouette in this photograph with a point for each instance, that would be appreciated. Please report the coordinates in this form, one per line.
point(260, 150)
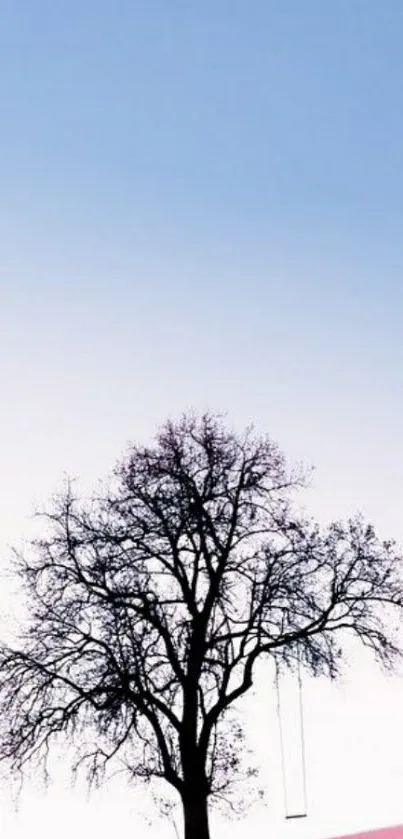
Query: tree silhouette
point(149, 607)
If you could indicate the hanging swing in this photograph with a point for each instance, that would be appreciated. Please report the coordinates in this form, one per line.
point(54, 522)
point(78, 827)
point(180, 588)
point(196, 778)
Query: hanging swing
point(289, 812)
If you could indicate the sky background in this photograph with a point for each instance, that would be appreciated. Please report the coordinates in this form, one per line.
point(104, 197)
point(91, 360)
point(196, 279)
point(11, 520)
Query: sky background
point(201, 206)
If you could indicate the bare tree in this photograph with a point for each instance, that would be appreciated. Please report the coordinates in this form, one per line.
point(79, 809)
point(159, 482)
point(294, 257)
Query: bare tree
point(149, 607)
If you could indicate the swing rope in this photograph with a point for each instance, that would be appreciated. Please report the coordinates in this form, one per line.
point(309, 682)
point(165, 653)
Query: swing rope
point(302, 732)
point(288, 814)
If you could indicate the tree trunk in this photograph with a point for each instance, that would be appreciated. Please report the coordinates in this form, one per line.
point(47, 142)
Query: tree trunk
point(195, 815)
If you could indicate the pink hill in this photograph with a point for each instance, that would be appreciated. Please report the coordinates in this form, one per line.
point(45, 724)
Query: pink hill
point(383, 833)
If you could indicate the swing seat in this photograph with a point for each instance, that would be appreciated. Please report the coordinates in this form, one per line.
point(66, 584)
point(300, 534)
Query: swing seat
point(296, 816)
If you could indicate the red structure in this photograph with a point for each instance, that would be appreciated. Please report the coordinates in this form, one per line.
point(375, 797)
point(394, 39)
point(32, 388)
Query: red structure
point(383, 833)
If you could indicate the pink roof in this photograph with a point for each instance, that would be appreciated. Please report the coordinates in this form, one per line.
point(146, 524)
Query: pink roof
point(383, 833)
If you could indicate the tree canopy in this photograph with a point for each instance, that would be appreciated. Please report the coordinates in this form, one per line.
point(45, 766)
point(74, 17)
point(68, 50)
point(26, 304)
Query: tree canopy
point(150, 604)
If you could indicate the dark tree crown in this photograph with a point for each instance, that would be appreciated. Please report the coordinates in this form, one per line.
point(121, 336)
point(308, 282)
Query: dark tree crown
point(150, 606)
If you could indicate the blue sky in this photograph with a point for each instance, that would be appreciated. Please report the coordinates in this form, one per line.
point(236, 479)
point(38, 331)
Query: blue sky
point(276, 112)
point(201, 205)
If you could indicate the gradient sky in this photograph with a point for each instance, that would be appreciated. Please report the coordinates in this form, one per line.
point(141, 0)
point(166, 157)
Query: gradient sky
point(201, 206)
